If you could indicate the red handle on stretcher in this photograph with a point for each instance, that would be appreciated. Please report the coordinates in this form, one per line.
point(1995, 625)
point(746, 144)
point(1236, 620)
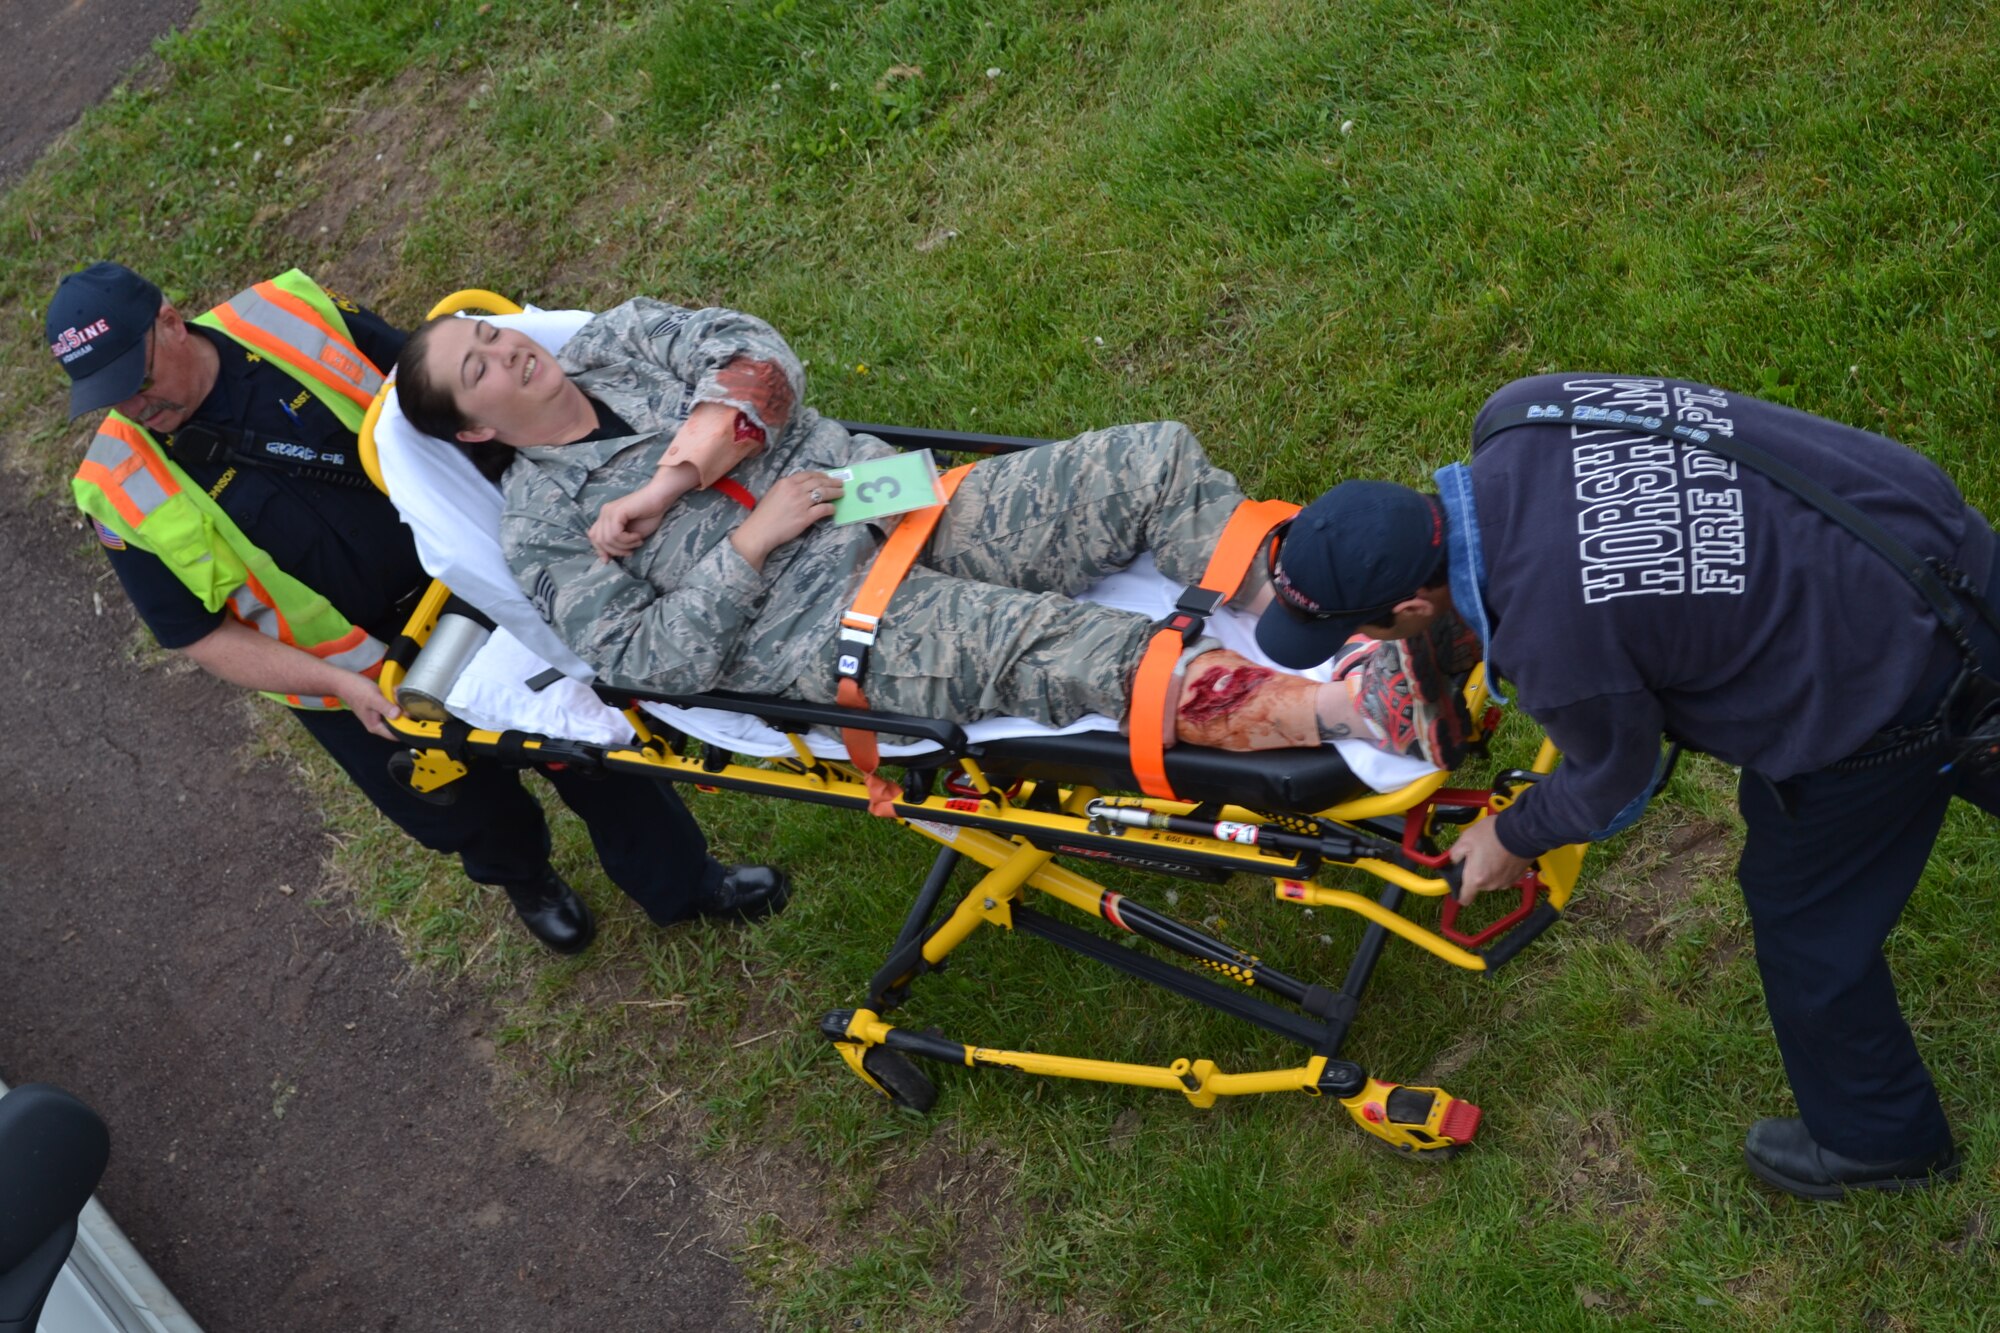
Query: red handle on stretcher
point(1416, 822)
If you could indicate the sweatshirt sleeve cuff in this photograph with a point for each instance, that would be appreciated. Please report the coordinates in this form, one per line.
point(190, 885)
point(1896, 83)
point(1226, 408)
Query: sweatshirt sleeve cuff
point(1516, 836)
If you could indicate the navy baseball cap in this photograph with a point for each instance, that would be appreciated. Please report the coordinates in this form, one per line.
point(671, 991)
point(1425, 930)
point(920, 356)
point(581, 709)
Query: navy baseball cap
point(96, 326)
point(1345, 561)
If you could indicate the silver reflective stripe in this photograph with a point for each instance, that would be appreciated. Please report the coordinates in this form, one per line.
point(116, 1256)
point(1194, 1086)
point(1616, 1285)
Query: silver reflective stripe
point(255, 612)
point(141, 487)
point(309, 340)
point(107, 450)
point(362, 655)
point(145, 491)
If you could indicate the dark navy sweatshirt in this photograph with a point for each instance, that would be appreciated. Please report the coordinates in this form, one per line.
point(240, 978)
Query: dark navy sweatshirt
point(1637, 587)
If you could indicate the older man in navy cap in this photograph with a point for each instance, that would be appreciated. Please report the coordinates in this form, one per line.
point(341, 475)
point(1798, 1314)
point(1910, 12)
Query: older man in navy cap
point(226, 489)
point(1631, 585)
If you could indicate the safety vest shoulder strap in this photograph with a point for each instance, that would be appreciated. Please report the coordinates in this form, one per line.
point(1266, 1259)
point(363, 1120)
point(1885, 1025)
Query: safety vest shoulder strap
point(1235, 550)
point(292, 321)
point(128, 470)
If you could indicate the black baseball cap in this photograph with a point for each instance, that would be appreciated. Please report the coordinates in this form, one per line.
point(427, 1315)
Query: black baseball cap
point(96, 327)
point(1345, 561)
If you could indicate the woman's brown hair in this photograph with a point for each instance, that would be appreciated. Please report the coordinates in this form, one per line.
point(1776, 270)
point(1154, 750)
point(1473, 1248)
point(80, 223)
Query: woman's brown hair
point(429, 406)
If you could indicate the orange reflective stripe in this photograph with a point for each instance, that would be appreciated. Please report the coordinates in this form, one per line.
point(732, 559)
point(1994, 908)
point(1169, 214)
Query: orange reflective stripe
point(99, 476)
point(244, 331)
point(1242, 537)
point(885, 575)
point(143, 451)
point(354, 638)
point(278, 296)
point(339, 344)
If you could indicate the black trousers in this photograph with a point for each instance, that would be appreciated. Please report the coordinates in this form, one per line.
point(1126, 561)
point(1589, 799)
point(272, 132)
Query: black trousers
point(1829, 859)
point(648, 843)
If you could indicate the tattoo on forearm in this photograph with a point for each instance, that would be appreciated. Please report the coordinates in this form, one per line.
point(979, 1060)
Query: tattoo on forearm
point(1334, 731)
point(762, 387)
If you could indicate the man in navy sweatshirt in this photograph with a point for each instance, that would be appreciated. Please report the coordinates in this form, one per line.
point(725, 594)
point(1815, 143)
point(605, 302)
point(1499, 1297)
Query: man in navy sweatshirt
point(1631, 588)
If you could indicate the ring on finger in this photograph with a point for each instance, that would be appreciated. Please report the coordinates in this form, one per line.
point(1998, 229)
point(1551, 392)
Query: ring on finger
point(813, 495)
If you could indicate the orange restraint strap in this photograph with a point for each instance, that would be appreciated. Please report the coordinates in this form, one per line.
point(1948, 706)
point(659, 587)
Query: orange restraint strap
point(1147, 722)
point(857, 634)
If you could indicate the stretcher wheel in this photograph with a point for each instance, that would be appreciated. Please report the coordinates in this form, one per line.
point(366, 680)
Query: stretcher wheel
point(906, 1084)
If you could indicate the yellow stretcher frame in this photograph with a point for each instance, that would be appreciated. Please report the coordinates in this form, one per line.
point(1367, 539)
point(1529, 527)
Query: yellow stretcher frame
point(1016, 834)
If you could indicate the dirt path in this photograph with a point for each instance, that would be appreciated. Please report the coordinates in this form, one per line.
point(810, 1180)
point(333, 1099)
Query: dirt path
point(303, 1136)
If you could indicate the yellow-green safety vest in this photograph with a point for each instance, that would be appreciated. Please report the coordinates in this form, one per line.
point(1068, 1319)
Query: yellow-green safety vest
point(129, 485)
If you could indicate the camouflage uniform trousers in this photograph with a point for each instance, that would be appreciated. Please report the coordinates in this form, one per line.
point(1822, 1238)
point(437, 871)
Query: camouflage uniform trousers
point(985, 624)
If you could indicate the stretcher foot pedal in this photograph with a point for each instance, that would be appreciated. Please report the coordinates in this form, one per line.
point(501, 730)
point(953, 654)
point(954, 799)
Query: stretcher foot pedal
point(428, 775)
point(1424, 1122)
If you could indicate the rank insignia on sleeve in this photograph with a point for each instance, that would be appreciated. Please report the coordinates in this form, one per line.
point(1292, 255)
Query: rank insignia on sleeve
point(112, 541)
point(544, 596)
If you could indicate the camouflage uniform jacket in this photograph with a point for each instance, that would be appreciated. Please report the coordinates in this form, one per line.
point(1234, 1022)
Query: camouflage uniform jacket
point(684, 613)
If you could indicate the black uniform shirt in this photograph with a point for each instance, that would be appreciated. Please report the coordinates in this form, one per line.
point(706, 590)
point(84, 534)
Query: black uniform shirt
point(344, 542)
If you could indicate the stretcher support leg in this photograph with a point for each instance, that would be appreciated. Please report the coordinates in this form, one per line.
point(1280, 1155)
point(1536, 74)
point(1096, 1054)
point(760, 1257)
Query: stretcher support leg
point(927, 897)
point(1362, 968)
point(891, 982)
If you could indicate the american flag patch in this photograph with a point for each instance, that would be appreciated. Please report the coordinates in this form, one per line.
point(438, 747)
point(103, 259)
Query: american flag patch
point(111, 539)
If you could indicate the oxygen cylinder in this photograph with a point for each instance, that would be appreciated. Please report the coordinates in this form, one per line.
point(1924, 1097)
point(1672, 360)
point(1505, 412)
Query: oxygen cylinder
point(452, 642)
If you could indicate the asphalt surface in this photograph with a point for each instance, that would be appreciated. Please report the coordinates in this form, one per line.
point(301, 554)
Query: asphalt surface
point(304, 1137)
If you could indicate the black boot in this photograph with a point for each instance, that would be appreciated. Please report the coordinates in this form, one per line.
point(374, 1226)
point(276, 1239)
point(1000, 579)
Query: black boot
point(748, 893)
point(552, 912)
point(1782, 1153)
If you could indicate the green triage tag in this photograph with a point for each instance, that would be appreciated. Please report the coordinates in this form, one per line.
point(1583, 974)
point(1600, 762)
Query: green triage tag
point(884, 486)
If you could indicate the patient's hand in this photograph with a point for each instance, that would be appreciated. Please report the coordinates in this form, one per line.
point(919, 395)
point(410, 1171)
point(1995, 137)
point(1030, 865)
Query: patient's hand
point(792, 505)
point(623, 524)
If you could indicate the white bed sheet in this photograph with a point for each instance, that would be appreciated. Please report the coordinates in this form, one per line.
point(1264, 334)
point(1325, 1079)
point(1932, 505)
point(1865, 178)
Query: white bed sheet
point(454, 514)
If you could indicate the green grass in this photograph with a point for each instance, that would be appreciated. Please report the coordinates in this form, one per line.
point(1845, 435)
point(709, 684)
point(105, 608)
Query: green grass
point(1321, 235)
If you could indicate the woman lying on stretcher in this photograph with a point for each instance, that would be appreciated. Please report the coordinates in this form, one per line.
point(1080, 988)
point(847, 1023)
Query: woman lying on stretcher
point(666, 502)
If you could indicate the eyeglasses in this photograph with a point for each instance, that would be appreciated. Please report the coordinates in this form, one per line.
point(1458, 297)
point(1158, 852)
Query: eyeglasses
point(1296, 600)
point(147, 382)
